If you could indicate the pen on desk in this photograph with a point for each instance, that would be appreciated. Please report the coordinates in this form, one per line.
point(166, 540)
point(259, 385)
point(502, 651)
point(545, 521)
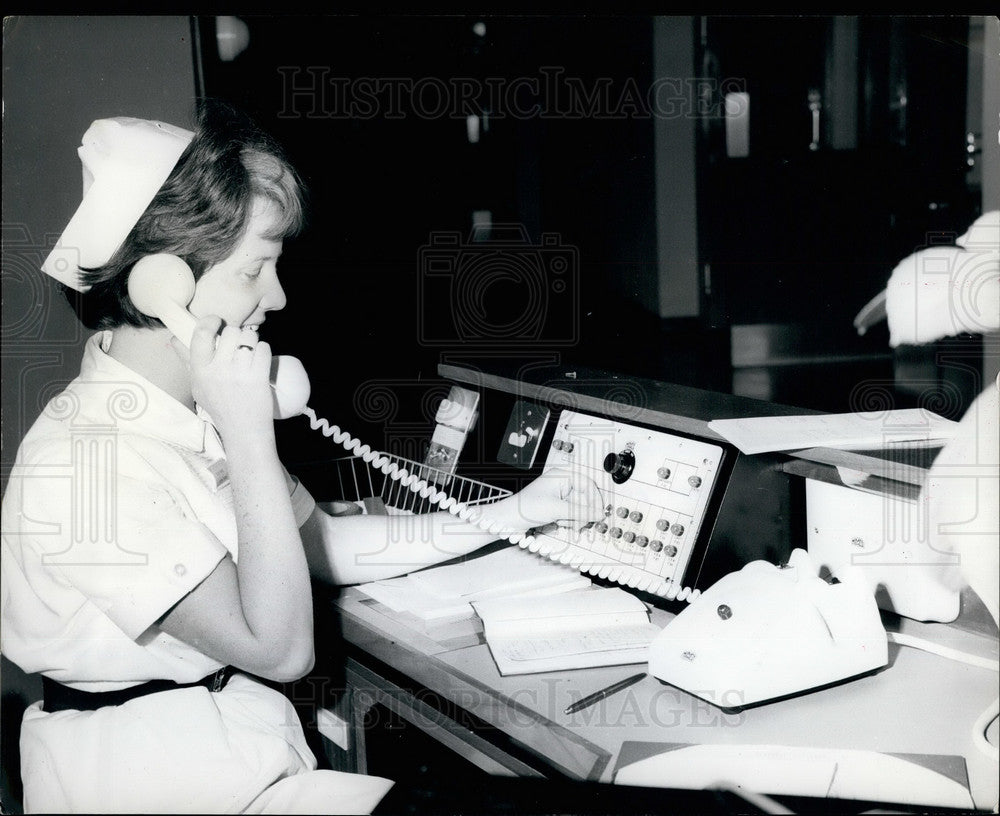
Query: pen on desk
point(597, 696)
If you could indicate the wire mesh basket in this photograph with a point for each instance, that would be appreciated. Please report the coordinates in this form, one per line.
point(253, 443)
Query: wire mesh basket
point(358, 481)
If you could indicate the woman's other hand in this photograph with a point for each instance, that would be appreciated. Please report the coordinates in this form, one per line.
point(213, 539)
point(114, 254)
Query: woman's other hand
point(560, 495)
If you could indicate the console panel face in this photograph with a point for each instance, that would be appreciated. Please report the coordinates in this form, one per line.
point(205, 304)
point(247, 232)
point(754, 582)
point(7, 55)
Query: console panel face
point(657, 488)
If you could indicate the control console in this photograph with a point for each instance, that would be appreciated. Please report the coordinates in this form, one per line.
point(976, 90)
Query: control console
point(657, 487)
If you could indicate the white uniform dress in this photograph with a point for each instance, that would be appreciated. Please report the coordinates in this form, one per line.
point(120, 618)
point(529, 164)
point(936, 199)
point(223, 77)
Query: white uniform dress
point(118, 505)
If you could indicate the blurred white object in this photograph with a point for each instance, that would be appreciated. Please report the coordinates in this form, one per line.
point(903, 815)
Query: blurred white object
point(961, 498)
point(984, 234)
point(943, 291)
point(737, 106)
point(940, 292)
point(231, 37)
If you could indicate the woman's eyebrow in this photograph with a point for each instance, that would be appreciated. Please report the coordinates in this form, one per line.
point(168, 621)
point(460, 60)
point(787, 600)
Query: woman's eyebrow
point(270, 256)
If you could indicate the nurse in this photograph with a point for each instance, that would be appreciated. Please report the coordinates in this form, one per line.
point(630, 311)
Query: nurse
point(157, 557)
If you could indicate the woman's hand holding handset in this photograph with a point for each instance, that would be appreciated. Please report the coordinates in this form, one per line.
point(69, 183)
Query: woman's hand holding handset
point(230, 377)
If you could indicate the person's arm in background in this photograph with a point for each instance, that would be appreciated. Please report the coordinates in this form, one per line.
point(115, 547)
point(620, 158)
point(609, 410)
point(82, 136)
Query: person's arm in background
point(357, 549)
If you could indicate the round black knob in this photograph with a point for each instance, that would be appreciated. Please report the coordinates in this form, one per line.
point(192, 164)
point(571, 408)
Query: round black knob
point(620, 465)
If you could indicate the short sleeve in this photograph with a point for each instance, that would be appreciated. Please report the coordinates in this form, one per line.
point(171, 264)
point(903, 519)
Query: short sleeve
point(133, 555)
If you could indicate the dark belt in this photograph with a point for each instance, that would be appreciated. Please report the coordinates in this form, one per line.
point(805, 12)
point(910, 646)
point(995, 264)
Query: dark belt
point(59, 697)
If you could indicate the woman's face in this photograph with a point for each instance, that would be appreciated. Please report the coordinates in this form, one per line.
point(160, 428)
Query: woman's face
point(242, 288)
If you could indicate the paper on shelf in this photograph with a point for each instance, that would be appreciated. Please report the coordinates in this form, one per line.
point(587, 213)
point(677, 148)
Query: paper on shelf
point(499, 573)
point(446, 593)
point(576, 629)
point(862, 430)
point(402, 595)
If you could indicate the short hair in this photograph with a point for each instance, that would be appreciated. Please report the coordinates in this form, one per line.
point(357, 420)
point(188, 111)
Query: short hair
point(200, 213)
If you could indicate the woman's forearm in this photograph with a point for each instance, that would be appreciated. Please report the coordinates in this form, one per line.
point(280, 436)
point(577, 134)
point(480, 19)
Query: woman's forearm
point(356, 549)
point(273, 575)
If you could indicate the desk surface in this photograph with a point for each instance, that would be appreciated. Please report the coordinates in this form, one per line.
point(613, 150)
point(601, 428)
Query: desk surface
point(920, 704)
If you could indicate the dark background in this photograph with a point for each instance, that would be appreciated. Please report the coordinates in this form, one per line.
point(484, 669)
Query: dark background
point(737, 274)
point(644, 249)
point(791, 242)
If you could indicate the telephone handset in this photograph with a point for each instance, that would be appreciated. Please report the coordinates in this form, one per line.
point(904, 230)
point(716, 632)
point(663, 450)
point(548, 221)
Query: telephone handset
point(162, 286)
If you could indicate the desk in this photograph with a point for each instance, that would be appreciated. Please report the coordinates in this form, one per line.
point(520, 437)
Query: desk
point(919, 704)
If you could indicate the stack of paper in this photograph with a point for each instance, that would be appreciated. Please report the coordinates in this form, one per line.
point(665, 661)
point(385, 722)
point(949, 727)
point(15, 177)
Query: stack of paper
point(447, 593)
point(861, 431)
point(572, 630)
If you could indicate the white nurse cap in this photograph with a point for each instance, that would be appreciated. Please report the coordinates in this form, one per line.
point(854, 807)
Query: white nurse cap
point(125, 162)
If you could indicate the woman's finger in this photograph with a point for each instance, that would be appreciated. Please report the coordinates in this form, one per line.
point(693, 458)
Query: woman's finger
point(203, 339)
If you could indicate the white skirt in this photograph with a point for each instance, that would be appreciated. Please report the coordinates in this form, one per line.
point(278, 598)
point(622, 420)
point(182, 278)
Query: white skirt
point(238, 750)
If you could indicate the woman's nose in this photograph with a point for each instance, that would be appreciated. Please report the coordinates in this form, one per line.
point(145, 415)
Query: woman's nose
point(275, 299)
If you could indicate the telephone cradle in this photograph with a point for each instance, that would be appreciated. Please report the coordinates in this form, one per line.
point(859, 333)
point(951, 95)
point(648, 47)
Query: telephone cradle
point(766, 632)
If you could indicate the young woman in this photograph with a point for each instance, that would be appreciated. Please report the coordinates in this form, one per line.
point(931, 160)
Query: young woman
point(156, 554)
